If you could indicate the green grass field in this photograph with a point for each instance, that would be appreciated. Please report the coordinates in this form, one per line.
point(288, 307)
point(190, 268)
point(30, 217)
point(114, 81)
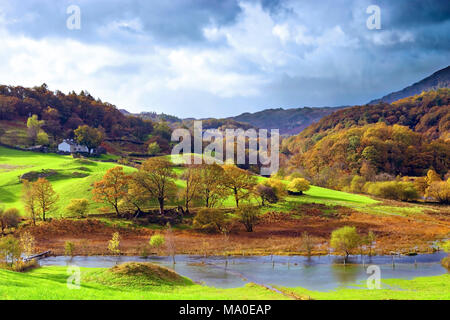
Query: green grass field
point(14, 163)
point(51, 283)
point(68, 185)
point(422, 288)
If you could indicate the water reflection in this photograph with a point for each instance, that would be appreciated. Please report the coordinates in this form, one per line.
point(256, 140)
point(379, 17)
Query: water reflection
point(315, 273)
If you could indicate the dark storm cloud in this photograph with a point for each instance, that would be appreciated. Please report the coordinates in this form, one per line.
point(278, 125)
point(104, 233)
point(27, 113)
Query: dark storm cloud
point(221, 57)
point(170, 22)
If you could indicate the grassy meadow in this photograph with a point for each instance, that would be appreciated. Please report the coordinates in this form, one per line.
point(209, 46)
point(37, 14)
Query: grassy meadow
point(74, 179)
point(99, 283)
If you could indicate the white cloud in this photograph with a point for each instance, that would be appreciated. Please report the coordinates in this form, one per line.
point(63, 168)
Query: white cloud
point(389, 38)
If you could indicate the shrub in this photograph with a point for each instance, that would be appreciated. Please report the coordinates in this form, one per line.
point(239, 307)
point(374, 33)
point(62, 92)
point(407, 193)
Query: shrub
point(114, 244)
point(248, 215)
point(266, 193)
point(345, 239)
point(210, 220)
point(9, 218)
point(42, 138)
point(440, 191)
point(157, 241)
point(308, 243)
point(278, 186)
point(27, 242)
point(298, 186)
point(396, 190)
point(78, 207)
point(69, 249)
point(10, 251)
point(357, 184)
point(153, 148)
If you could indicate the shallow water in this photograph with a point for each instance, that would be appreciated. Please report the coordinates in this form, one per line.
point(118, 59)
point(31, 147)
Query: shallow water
point(315, 273)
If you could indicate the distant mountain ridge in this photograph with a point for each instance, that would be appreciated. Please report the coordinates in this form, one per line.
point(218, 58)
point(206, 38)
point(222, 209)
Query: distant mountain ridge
point(288, 121)
point(439, 79)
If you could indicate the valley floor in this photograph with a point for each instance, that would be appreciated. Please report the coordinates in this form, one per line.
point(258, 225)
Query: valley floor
point(277, 233)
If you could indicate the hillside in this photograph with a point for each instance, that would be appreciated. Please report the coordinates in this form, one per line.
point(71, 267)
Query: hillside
point(289, 121)
point(63, 113)
point(427, 113)
point(439, 79)
point(71, 178)
point(407, 138)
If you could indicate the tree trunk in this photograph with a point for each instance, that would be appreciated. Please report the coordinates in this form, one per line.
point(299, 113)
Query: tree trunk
point(187, 206)
point(236, 198)
point(161, 205)
point(116, 207)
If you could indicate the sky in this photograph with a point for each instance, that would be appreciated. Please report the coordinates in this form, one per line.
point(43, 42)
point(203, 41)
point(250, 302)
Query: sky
point(219, 58)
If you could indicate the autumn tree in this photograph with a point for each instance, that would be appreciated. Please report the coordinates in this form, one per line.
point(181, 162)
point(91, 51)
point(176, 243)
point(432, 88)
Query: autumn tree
point(78, 207)
point(89, 137)
point(9, 218)
point(266, 194)
point(240, 182)
point(34, 126)
point(278, 186)
point(432, 176)
point(421, 185)
point(153, 148)
point(46, 198)
point(212, 189)
point(137, 196)
point(345, 239)
point(298, 186)
point(210, 220)
point(248, 215)
point(29, 200)
point(112, 188)
point(192, 177)
point(157, 177)
point(440, 191)
point(10, 250)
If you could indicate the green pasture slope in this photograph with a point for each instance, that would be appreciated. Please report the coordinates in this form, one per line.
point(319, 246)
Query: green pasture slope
point(73, 180)
point(75, 177)
point(50, 283)
point(421, 288)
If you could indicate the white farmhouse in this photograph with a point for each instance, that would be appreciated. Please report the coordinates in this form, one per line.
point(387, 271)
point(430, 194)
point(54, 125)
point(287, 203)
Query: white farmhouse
point(71, 146)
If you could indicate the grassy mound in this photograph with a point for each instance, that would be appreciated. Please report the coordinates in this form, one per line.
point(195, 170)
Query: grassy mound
point(446, 262)
point(138, 275)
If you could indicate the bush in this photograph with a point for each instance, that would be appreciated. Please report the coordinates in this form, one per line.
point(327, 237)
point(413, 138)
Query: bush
point(27, 242)
point(357, 184)
point(114, 244)
point(153, 148)
point(345, 239)
point(248, 215)
point(396, 190)
point(10, 251)
point(69, 249)
point(266, 193)
point(307, 243)
point(78, 207)
point(157, 241)
point(210, 220)
point(9, 218)
point(42, 138)
point(278, 186)
point(440, 191)
point(298, 186)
